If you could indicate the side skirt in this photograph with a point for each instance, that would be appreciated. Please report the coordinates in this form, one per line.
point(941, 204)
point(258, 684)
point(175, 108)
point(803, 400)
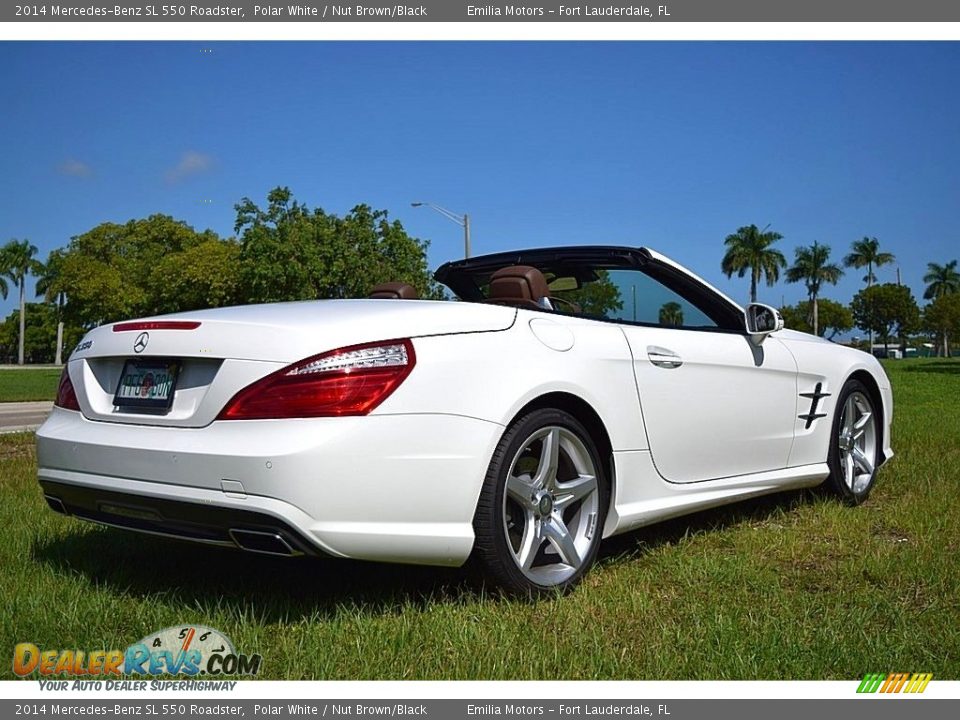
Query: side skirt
point(641, 497)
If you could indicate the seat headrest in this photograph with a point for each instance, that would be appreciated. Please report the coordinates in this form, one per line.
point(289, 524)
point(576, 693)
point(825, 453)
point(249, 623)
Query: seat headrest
point(519, 285)
point(394, 291)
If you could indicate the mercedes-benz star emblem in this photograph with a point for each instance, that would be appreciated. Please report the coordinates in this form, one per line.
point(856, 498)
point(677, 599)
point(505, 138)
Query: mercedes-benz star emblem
point(140, 344)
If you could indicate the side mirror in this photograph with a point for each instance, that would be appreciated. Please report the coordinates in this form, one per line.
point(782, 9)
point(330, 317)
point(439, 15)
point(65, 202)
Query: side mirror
point(761, 320)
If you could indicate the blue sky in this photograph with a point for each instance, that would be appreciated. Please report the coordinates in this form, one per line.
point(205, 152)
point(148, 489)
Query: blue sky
point(672, 145)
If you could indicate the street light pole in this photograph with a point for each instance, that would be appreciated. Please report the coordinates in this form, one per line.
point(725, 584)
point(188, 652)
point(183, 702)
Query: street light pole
point(461, 220)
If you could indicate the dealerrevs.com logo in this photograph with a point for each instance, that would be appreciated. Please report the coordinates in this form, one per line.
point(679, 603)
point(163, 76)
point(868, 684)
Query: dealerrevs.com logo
point(190, 650)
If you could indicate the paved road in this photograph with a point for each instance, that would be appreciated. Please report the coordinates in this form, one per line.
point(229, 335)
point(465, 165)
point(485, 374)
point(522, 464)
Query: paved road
point(19, 416)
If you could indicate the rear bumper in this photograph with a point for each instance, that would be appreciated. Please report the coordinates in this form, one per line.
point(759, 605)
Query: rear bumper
point(398, 488)
point(201, 522)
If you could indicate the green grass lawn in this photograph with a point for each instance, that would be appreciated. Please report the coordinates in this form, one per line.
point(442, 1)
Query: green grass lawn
point(795, 586)
point(29, 384)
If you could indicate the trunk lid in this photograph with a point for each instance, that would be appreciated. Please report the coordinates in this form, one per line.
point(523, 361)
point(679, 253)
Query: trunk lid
point(233, 347)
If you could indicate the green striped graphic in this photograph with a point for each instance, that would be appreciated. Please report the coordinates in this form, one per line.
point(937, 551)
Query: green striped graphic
point(871, 682)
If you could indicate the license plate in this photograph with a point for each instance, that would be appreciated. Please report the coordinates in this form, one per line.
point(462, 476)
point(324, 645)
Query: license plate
point(147, 384)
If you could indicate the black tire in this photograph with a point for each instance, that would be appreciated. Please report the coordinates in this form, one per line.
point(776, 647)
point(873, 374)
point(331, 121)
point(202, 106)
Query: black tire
point(493, 523)
point(839, 480)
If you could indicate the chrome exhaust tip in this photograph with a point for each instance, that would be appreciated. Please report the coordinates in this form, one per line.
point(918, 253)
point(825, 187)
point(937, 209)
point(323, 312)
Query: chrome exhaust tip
point(56, 504)
point(265, 542)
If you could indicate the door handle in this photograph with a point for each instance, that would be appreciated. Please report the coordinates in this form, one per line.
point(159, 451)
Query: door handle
point(661, 357)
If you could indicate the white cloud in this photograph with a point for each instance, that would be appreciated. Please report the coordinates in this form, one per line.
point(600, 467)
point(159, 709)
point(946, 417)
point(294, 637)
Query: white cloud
point(74, 168)
point(191, 163)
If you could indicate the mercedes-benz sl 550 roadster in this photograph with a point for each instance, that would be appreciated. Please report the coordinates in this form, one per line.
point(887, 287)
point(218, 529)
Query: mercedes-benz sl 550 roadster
point(566, 395)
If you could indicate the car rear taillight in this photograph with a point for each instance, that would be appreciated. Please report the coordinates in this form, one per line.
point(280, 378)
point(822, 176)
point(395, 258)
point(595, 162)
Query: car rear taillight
point(349, 381)
point(66, 396)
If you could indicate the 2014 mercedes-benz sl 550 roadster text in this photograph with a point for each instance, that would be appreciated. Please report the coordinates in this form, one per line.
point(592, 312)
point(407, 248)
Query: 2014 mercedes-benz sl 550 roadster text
point(569, 394)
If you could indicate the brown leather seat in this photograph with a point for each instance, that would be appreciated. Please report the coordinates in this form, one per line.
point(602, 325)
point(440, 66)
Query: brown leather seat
point(520, 286)
point(394, 291)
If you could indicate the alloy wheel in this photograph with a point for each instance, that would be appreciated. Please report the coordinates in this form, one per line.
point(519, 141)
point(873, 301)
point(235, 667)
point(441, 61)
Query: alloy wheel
point(857, 442)
point(551, 505)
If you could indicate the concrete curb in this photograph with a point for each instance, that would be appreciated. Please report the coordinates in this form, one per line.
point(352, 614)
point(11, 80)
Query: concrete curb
point(23, 416)
point(18, 429)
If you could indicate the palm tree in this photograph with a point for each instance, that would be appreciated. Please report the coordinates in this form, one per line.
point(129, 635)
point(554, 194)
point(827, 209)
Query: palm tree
point(941, 280)
point(671, 314)
point(16, 262)
point(751, 249)
point(811, 266)
point(50, 286)
point(866, 253)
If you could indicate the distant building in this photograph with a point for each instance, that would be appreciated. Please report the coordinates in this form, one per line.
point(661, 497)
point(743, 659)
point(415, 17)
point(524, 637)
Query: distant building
point(893, 352)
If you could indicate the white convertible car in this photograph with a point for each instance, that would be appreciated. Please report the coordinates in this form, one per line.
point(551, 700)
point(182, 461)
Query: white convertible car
point(570, 394)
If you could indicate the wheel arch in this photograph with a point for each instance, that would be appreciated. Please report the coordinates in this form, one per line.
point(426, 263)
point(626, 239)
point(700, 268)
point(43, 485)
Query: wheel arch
point(591, 420)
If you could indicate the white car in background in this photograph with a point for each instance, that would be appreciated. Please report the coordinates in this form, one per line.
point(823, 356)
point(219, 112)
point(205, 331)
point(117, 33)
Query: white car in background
point(571, 394)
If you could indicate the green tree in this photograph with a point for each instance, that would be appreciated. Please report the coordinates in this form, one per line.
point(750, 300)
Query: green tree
point(942, 318)
point(290, 252)
point(50, 287)
point(886, 310)
point(835, 318)
point(812, 267)
point(671, 313)
point(866, 253)
point(17, 260)
point(116, 271)
point(201, 276)
point(39, 335)
point(751, 250)
point(281, 248)
point(941, 280)
point(386, 250)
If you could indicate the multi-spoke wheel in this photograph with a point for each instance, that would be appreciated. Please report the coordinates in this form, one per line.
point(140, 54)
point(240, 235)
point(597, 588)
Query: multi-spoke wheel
point(541, 510)
point(854, 444)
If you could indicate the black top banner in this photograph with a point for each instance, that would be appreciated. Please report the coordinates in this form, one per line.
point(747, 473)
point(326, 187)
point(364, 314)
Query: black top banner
point(456, 11)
